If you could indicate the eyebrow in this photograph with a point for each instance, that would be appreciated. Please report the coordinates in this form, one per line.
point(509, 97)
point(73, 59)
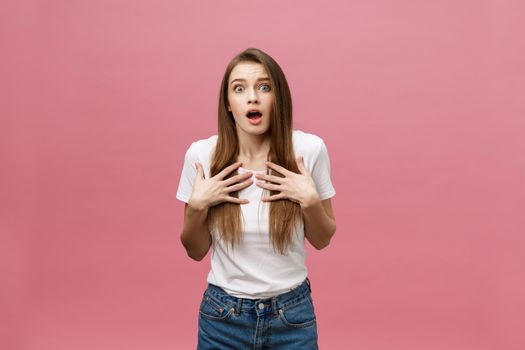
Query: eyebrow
point(240, 79)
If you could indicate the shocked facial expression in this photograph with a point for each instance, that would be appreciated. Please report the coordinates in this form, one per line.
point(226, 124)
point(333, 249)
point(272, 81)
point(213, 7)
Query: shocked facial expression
point(250, 97)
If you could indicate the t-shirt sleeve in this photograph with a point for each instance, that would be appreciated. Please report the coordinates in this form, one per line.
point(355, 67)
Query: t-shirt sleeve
point(321, 173)
point(188, 174)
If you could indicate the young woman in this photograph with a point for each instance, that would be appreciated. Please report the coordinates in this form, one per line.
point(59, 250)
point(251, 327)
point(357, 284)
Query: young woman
point(253, 193)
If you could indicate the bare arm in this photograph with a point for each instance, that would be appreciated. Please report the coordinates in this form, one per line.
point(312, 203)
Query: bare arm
point(195, 236)
point(319, 223)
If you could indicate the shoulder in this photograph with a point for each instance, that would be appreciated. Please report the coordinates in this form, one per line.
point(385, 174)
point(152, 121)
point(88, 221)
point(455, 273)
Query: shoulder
point(202, 147)
point(306, 144)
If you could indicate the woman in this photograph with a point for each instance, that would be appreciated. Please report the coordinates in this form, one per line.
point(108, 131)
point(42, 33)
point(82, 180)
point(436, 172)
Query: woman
point(258, 294)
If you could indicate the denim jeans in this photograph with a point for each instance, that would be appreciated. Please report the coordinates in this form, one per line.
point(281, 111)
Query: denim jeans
point(286, 321)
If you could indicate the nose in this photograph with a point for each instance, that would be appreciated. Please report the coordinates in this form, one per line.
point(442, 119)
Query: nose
point(252, 96)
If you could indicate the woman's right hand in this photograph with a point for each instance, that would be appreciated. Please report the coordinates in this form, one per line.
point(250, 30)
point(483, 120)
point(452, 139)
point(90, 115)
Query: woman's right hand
point(209, 192)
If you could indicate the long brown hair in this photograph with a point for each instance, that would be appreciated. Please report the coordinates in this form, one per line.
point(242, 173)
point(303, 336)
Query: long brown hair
point(283, 214)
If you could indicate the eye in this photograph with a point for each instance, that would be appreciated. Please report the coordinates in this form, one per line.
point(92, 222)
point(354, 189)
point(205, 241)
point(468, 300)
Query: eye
point(267, 87)
point(235, 88)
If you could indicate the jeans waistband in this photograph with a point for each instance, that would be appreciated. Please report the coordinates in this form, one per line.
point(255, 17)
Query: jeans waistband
point(274, 303)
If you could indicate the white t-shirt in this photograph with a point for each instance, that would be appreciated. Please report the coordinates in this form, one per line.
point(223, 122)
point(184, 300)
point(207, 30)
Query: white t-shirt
point(253, 269)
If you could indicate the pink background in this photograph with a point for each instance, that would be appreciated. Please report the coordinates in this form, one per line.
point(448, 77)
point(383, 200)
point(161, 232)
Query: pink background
point(421, 105)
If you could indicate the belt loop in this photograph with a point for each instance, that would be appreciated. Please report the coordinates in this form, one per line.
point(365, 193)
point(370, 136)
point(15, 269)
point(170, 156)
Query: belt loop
point(239, 306)
point(308, 282)
point(274, 305)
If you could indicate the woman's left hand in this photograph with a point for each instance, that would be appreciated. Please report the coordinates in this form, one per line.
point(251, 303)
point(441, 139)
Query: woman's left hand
point(299, 188)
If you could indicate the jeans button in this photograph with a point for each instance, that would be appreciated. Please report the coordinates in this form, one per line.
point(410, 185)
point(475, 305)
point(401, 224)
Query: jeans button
point(261, 306)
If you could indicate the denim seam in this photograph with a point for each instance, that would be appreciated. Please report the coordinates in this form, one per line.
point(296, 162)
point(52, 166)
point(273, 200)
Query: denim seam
point(297, 325)
point(216, 318)
point(216, 302)
point(294, 302)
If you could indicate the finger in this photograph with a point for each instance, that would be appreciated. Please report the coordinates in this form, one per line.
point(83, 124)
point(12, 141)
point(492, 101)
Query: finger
point(273, 198)
point(300, 165)
point(269, 186)
point(237, 200)
point(234, 179)
point(271, 178)
point(239, 186)
point(228, 170)
point(278, 168)
point(200, 171)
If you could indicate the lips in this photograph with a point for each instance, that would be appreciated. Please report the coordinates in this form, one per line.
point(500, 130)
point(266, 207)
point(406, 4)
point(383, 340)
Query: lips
point(253, 114)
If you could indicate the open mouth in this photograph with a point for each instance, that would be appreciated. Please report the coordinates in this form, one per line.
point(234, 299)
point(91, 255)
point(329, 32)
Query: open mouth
point(254, 115)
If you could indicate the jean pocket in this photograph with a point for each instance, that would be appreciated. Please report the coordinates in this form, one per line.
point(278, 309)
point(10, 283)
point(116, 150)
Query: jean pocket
point(213, 309)
point(301, 314)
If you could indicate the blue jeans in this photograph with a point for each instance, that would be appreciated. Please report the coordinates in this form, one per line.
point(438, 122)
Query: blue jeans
point(286, 321)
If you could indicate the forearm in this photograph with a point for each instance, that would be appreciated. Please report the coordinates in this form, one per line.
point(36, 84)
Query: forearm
point(318, 226)
point(195, 236)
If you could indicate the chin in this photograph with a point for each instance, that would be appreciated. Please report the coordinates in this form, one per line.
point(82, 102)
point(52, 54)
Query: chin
point(261, 132)
point(256, 131)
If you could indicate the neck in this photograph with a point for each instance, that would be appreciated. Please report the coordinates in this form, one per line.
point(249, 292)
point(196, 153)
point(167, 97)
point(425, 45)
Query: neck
point(254, 147)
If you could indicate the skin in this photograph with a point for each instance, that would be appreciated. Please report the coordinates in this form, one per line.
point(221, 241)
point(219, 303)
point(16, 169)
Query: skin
point(249, 88)
point(299, 188)
point(215, 190)
point(319, 220)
